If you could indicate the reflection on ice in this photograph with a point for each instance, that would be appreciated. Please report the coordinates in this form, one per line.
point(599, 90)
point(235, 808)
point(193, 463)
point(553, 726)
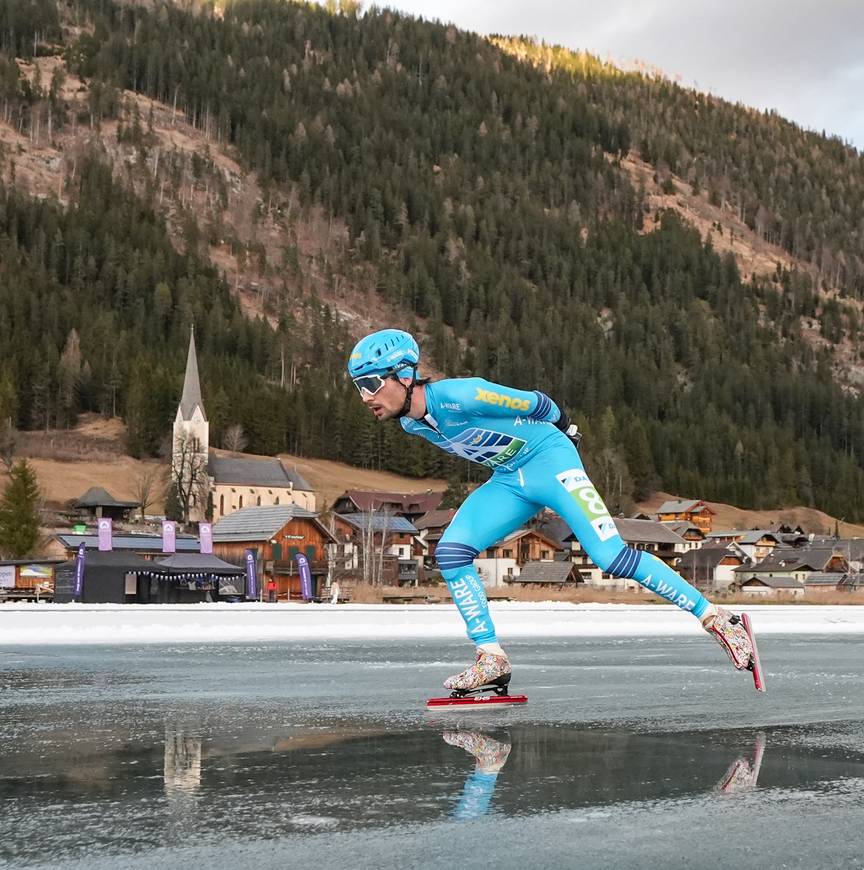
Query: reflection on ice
point(743, 773)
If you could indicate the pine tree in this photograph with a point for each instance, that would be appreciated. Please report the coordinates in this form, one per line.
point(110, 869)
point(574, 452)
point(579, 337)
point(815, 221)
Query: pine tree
point(19, 512)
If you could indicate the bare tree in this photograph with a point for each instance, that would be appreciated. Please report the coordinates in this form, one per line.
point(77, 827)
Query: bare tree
point(189, 479)
point(234, 438)
point(146, 485)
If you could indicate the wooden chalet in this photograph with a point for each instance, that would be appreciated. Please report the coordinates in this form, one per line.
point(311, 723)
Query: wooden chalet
point(277, 533)
point(690, 511)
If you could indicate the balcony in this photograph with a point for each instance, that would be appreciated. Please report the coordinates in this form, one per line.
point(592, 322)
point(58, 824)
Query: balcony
point(288, 567)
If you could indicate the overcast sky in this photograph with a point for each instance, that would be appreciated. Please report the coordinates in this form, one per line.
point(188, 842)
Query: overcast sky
point(804, 58)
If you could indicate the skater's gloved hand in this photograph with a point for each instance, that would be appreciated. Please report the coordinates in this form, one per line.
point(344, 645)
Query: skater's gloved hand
point(571, 430)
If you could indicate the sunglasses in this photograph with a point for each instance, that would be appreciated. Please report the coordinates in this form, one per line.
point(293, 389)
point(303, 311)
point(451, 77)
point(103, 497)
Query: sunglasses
point(369, 384)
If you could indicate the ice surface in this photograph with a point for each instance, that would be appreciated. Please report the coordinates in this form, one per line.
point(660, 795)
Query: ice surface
point(634, 751)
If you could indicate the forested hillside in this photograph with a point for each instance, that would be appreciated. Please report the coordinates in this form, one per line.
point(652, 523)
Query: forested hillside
point(485, 194)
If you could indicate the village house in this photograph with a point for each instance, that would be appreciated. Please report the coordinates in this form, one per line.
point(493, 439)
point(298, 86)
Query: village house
point(771, 587)
point(387, 542)
point(797, 563)
point(690, 532)
point(692, 511)
point(430, 527)
point(277, 534)
point(756, 544)
point(712, 568)
point(648, 535)
point(503, 561)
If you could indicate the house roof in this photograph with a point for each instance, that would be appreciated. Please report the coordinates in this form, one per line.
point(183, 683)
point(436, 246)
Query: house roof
point(379, 522)
point(182, 563)
point(782, 581)
point(643, 532)
point(823, 578)
point(554, 527)
point(401, 502)
point(521, 533)
point(436, 519)
point(792, 559)
point(259, 523)
point(746, 536)
point(254, 471)
point(683, 507)
point(545, 572)
point(98, 497)
point(682, 528)
point(707, 557)
point(139, 543)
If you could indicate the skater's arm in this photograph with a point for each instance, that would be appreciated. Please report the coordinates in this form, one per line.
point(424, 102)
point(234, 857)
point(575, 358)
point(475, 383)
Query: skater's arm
point(485, 398)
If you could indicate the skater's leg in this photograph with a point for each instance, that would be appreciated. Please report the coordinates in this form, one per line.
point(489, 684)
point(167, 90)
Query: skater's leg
point(560, 476)
point(489, 513)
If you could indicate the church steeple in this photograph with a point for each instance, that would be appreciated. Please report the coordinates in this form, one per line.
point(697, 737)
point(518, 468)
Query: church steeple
point(191, 385)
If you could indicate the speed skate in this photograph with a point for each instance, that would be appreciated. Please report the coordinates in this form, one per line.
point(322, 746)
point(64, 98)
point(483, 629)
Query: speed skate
point(495, 693)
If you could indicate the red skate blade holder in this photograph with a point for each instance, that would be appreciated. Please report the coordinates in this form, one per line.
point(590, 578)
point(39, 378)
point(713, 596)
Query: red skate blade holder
point(756, 669)
point(477, 702)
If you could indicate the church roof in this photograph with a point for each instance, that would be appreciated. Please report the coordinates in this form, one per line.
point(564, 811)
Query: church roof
point(254, 471)
point(191, 385)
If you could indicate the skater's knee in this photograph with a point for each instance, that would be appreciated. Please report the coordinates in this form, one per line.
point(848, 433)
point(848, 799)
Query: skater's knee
point(620, 563)
point(452, 555)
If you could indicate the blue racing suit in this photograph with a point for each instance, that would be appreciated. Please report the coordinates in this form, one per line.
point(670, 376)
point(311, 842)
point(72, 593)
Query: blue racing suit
point(535, 465)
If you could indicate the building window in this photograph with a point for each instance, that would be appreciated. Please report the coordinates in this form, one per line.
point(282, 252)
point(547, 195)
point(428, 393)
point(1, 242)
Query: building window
point(544, 554)
point(508, 554)
point(241, 501)
point(222, 505)
point(259, 500)
point(276, 501)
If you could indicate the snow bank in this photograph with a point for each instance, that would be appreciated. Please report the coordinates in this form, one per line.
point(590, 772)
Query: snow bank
point(43, 624)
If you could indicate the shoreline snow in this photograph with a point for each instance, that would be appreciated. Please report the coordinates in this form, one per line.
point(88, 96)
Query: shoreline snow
point(55, 624)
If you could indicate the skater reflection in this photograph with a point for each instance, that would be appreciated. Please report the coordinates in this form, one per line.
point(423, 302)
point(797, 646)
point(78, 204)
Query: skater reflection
point(182, 762)
point(743, 773)
point(491, 755)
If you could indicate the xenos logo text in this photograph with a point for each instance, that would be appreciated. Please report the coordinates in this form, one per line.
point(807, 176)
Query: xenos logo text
point(493, 398)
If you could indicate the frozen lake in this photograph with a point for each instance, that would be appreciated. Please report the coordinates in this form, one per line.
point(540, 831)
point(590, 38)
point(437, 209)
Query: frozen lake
point(639, 751)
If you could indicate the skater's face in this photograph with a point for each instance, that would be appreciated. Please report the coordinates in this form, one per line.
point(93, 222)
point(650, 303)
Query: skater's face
point(388, 397)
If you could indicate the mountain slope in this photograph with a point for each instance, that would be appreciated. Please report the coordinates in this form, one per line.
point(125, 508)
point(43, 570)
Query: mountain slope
point(491, 200)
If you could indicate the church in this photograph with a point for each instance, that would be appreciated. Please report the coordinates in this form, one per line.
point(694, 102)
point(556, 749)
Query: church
point(220, 482)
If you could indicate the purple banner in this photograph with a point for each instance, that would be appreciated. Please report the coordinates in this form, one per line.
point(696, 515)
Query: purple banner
point(105, 534)
point(169, 536)
point(79, 572)
point(205, 537)
point(305, 576)
point(251, 576)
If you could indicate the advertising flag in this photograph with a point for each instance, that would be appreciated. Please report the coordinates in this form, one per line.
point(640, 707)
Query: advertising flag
point(79, 572)
point(169, 536)
point(251, 575)
point(305, 576)
point(105, 534)
point(205, 537)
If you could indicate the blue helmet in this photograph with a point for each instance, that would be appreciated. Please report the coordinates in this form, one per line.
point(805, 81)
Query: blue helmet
point(388, 351)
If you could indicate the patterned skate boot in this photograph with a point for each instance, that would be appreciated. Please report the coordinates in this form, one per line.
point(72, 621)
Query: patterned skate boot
point(489, 669)
point(734, 633)
point(489, 753)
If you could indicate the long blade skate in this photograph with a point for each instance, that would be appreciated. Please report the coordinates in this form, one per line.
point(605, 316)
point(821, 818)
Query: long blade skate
point(492, 694)
point(755, 662)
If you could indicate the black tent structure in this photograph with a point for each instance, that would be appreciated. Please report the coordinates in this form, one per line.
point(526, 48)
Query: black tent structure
point(107, 577)
point(117, 577)
point(188, 577)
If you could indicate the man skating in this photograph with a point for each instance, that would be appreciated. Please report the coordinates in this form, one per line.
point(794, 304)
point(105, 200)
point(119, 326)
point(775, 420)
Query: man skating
point(528, 441)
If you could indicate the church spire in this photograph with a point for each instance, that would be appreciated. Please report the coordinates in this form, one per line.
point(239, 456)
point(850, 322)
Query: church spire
point(191, 385)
